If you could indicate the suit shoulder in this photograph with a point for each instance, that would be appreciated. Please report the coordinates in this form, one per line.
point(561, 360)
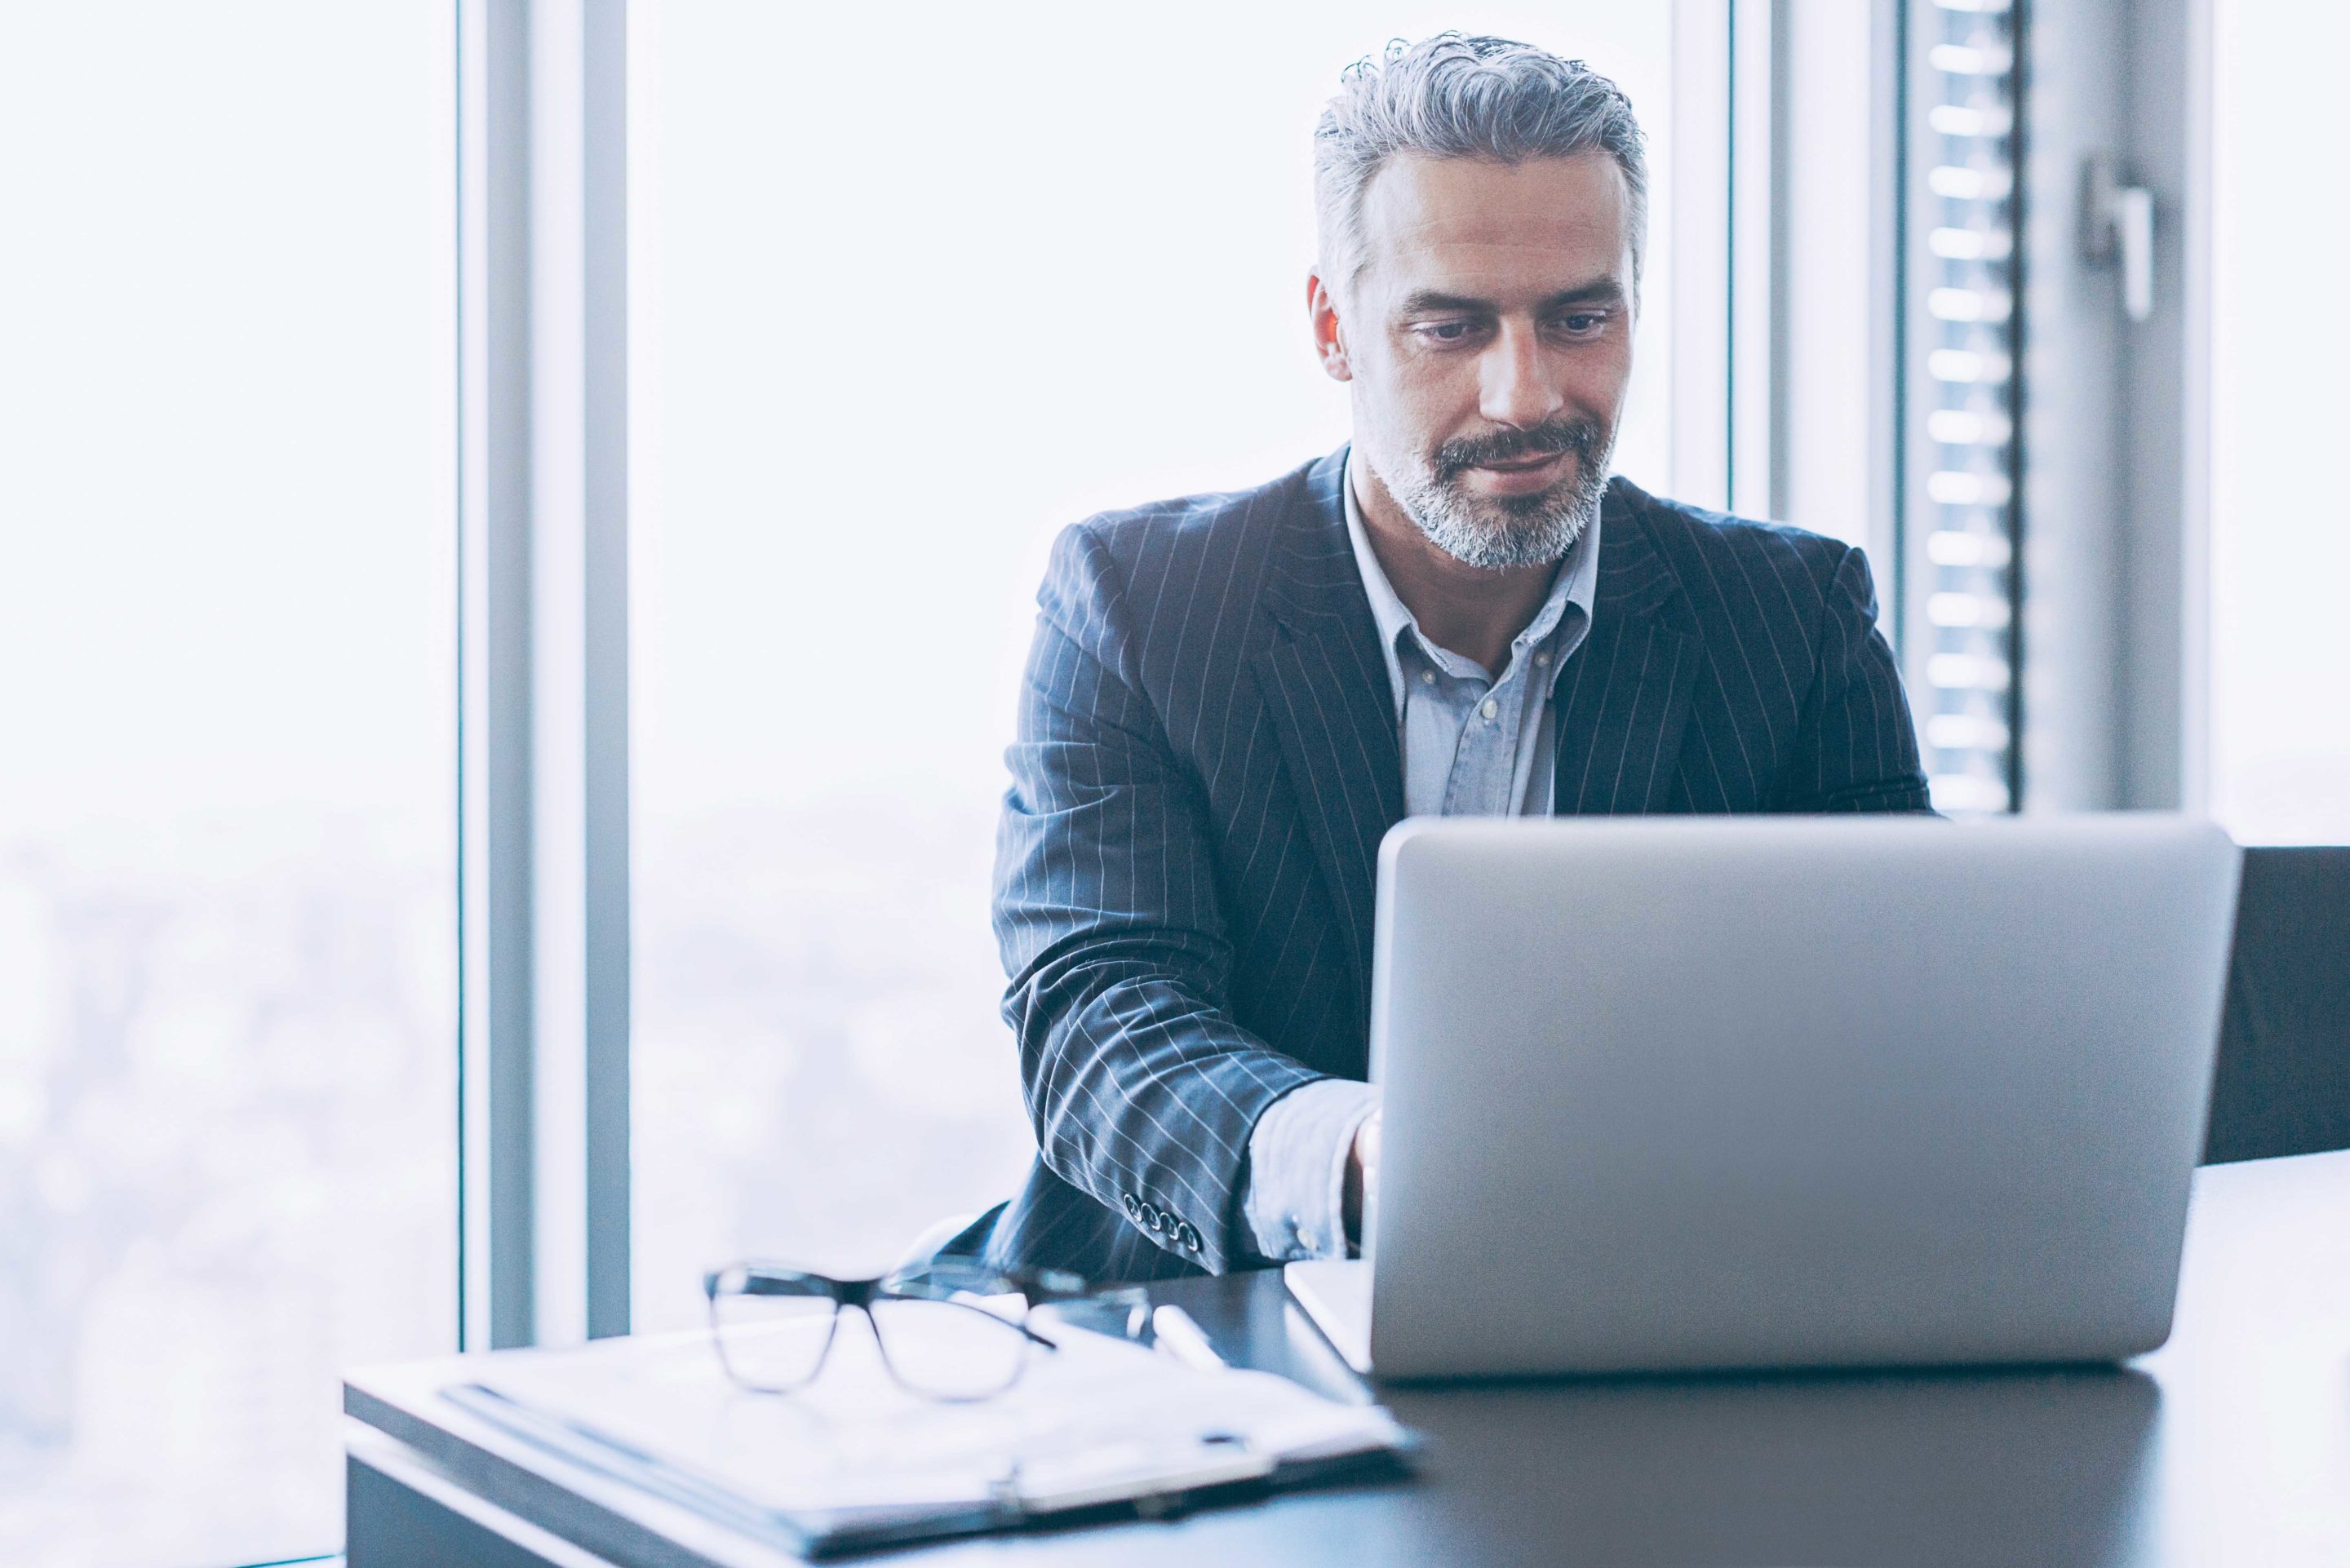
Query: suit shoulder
point(1170, 543)
point(1740, 553)
point(1679, 527)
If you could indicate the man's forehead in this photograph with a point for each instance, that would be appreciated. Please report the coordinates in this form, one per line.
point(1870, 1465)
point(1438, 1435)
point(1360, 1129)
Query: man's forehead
point(1561, 219)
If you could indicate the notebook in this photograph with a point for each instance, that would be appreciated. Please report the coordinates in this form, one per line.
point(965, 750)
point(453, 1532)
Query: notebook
point(1102, 1428)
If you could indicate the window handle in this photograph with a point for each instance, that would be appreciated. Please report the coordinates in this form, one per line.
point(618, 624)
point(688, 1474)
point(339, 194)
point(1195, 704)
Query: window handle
point(2117, 228)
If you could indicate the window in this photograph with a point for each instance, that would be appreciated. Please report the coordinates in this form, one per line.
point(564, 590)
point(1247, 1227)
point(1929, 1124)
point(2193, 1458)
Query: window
point(227, 634)
point(897, 317)
point(2280, 664)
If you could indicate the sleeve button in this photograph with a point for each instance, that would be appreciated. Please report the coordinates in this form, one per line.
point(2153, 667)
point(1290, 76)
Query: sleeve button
point(1133, 1205)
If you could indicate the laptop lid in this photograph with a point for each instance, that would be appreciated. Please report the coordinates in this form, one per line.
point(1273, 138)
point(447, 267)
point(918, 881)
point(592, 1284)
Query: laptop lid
point(1788, 1092)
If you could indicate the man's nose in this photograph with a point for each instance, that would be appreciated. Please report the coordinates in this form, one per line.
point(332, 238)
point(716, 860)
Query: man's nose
point(1519, 388)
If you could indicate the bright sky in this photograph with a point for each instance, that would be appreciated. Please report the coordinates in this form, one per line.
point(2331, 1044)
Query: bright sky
point(227, 412)
point(2280, 512)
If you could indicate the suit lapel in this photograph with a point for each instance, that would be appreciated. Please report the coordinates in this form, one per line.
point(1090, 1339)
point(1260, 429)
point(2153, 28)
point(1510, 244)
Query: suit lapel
point(1324, 684)
point(1623, 698)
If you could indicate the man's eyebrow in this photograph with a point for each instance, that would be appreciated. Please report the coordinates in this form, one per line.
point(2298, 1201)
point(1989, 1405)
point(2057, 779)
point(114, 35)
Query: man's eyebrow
point(1421, 301)
point(1598, 291)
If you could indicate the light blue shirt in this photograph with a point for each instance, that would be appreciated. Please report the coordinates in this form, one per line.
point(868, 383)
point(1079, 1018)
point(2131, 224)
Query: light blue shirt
point(1474, 744)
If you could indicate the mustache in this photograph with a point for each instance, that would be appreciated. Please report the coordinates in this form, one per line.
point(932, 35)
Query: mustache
point(1580, 437)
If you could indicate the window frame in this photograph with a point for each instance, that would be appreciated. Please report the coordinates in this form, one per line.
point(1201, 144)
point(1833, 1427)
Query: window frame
point(1763, 420)
point(543, 660)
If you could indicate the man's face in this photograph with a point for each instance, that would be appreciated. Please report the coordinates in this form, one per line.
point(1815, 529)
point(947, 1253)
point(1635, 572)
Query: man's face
point(1488, 338)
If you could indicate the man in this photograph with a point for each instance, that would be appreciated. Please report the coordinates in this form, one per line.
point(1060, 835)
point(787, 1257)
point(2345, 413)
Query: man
point(1232, 698)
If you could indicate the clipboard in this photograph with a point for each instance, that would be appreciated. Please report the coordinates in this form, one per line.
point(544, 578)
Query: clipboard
point(1104, 1429)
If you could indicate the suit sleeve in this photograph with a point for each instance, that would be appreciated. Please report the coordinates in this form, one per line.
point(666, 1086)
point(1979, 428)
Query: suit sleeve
point(1857, 747)
point(1142, 1090)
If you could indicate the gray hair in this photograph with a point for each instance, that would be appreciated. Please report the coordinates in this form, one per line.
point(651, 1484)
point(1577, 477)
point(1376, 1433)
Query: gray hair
point(1454, 95)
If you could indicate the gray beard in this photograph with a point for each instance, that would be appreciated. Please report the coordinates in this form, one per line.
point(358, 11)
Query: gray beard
point(1506, 533)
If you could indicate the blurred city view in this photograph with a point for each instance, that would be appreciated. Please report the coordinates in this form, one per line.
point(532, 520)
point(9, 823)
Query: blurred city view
point(819, 1069)
point(228, 988)
point(227, 1172)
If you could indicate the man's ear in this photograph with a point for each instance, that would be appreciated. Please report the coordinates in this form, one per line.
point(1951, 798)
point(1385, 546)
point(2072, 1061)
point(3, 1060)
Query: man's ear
point(1329, 342)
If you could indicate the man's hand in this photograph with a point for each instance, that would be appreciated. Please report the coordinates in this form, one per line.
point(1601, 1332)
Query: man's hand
point(1362, 1177)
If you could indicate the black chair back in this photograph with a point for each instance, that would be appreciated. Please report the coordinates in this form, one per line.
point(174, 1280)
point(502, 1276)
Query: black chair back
point(2282, 1084)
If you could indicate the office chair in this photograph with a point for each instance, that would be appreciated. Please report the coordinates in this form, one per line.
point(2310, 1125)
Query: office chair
point(2282, 1084)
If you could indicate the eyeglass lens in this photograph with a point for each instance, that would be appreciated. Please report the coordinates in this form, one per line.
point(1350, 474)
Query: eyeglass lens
point(950, 1349)
point(772, 1331)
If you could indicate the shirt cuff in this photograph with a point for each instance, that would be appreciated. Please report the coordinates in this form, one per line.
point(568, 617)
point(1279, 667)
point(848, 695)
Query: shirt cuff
point(1295, 1204)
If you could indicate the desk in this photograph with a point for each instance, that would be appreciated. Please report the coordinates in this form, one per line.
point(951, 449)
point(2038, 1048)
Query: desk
point(2229, 1445)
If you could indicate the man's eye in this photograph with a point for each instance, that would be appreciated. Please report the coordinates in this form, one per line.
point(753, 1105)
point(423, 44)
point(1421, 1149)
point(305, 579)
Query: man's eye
point(1582, 323)
point(1447, 331)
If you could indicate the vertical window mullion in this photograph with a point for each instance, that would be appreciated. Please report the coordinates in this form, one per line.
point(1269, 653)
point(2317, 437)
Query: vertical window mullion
point(546, 699)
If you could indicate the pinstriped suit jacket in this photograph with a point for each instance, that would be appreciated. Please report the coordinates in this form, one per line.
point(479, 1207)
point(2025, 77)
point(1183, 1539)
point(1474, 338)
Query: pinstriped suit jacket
point(1208, 759)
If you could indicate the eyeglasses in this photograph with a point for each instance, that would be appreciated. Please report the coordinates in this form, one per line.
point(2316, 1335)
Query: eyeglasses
point(946, 1331)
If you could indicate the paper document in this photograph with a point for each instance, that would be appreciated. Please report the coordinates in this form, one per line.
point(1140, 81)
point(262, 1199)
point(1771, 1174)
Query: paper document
point(853, 1459)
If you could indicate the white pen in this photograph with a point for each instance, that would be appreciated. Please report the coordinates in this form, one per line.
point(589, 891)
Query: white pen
point(1182, 1338)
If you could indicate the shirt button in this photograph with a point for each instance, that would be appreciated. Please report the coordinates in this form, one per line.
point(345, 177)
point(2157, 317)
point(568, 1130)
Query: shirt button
point(1427, 678)
point(1489, 707)
point(1541, 660)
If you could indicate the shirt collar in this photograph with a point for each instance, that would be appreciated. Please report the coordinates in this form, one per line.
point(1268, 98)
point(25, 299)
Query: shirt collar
point(1576, 583)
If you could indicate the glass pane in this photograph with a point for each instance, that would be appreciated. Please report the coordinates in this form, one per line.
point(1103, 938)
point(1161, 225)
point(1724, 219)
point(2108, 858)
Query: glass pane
point(227, 622)
point(898, 317)
point(2280, 736)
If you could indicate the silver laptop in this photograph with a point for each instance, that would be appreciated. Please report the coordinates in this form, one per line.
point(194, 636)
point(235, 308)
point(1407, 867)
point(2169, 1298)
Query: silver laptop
point(1674, 1095)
